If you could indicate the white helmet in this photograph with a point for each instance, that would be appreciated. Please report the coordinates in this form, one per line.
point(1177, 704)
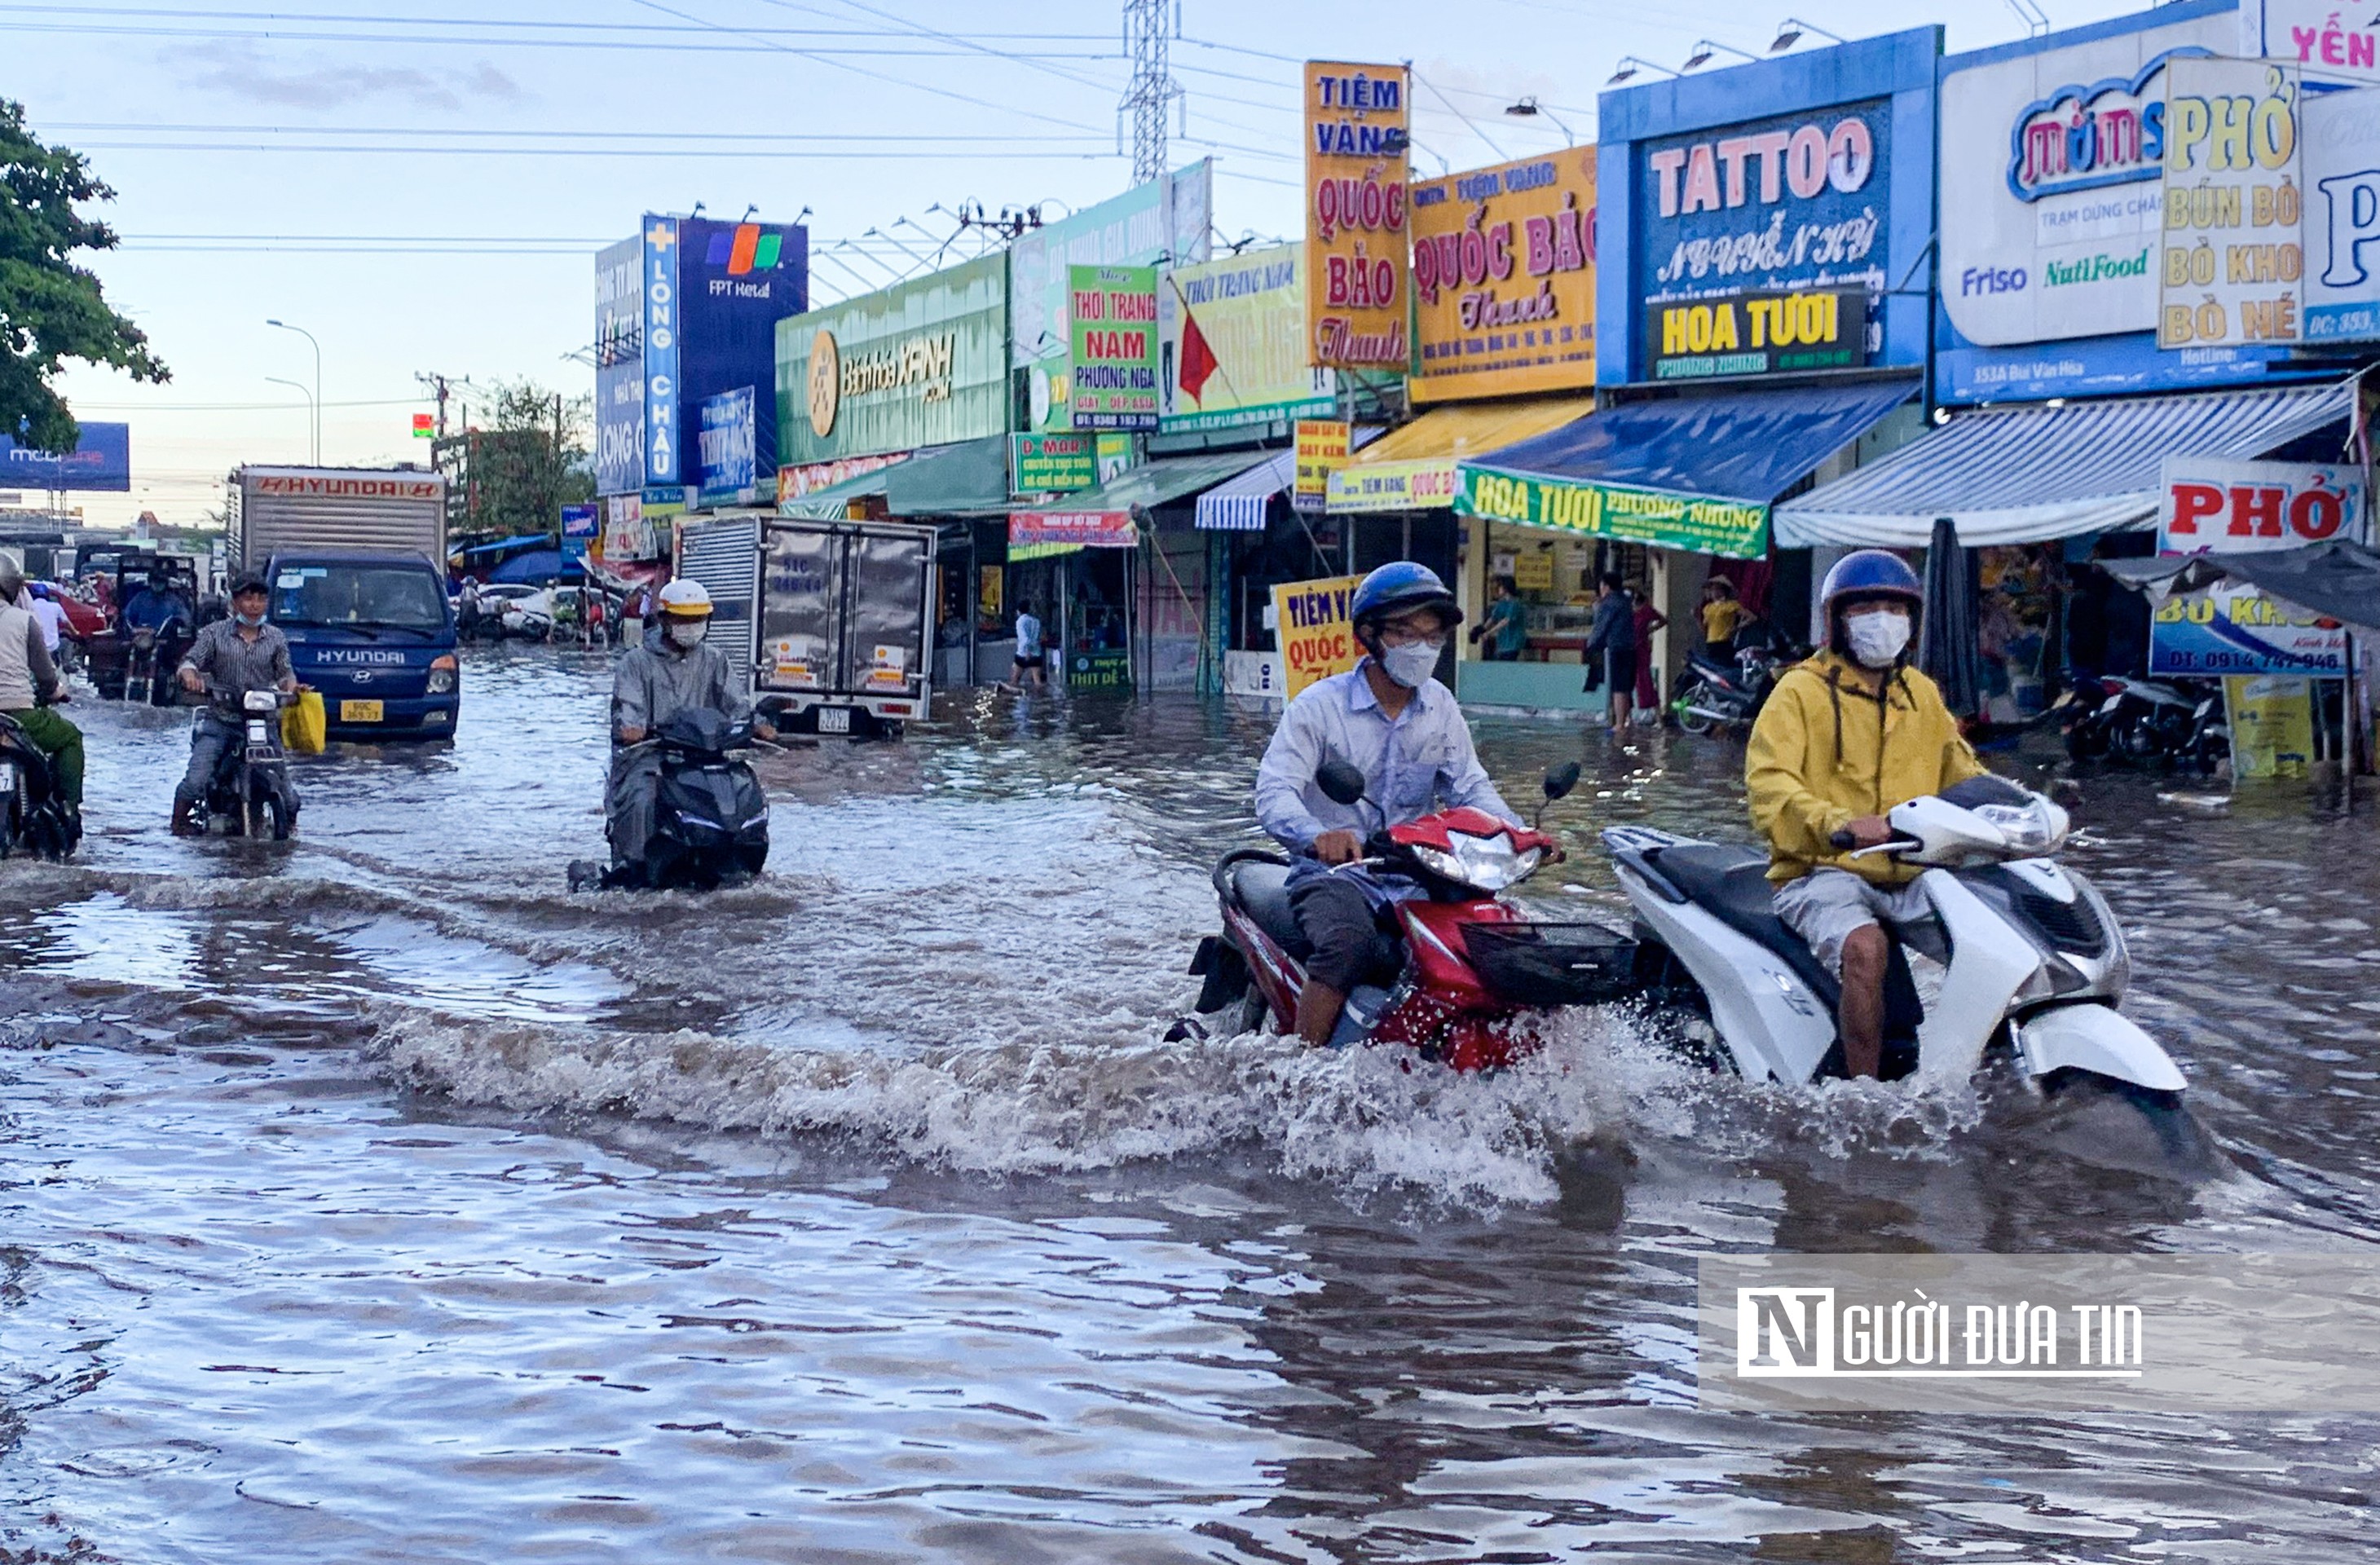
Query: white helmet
point(685, 599)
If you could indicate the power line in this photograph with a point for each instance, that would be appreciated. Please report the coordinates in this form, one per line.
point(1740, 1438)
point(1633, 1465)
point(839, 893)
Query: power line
point(278, 18)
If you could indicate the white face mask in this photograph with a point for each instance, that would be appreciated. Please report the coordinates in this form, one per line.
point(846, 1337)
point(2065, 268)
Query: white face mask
point(1411, 665)
point(1878, 636)
point(687, 633)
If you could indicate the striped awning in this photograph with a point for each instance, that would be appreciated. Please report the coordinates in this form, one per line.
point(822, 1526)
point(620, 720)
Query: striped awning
point(2026, 475)
point(1238, 504)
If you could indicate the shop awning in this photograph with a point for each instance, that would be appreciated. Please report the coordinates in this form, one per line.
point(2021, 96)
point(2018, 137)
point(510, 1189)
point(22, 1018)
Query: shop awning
point(1696, 473)
point(1412, 469)
point(967, 480)
point(2026, 475)
point(1237, 504)
point(833, 503)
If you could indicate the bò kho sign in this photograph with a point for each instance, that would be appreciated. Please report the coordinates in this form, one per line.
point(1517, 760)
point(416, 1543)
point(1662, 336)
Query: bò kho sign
point(2233, 255)
point(1699, 523)
point(1356, 232)
point(1091, 529)
point(1317, 637)
point(2210, 506)
point(1321, 449)
point(1503, 278)
point(1114, 315)
point(1758, 334)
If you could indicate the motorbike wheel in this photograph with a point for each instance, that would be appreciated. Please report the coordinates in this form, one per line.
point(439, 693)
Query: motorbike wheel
point(11, 820)
point(1248, 1016)
point(1689, 720)
point(278, 814)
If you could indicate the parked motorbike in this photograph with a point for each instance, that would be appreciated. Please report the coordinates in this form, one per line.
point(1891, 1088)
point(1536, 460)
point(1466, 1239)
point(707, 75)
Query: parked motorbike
point(250, 793)
point(2167, 724)
point(710, 817)
point(2037, 960)
point(1477, 969)
point(33, 815)
point(1714, 695)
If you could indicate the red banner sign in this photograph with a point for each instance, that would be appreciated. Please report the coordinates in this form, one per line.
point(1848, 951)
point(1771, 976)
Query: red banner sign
point(1094, 529)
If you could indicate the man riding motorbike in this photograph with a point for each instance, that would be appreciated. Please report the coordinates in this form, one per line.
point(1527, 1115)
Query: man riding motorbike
point(1848, 735)
point(32, 690)
point(1402, 729)
point(236, 656)
point(656, 681)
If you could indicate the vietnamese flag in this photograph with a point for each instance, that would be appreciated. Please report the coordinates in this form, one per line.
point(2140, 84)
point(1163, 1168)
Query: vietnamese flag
point(1198, 360)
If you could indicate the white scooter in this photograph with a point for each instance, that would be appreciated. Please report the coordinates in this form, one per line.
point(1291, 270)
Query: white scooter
point(2035, 956)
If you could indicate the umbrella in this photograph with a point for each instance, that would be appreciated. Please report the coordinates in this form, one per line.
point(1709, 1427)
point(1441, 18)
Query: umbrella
point(1949, 646)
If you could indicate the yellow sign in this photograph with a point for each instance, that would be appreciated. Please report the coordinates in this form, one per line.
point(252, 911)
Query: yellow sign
point(1316, 636)
point(1532, 570)
point(1321, 447)
point(1424, 485)
point(2232, 261)
point(826, 383)
point(1503, 278)
point(2272, 726)
point(988, 594)
point(1356, 232)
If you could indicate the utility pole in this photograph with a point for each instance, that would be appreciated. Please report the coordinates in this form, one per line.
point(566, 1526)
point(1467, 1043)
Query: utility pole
point(1148, 32)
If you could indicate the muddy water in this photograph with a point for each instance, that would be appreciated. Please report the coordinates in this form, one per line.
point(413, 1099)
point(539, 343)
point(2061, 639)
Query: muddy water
point(371, 1199)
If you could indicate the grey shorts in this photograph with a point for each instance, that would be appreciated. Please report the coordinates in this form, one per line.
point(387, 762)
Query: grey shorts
point(1827, 907)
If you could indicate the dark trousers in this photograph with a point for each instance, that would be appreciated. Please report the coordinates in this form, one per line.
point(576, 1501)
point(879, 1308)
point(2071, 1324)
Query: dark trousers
point(1348, 945)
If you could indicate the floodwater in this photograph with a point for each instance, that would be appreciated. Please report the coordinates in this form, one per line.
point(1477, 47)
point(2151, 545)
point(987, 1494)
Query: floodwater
point(371, 1199)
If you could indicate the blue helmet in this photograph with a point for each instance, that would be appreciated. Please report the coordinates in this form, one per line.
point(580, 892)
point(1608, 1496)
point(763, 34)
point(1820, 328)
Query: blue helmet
point(1871, 573)
point(1398, 587)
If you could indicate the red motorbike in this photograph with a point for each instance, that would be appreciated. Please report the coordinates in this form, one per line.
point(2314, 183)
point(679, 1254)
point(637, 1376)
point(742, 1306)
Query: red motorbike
point(1477, 969)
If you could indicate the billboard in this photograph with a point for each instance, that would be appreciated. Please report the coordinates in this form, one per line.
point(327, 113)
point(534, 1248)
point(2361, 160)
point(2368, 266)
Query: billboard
point(2211, 506)
point(582, 526)
point(619, 368)
point(1357, 122)
point(1111, 312)
point(1503, 278)
point(1315, 634)
point(1164, 221)
point(1232, 344)
point(917, 364)
point(102, 459)
point(729, 445)
point(2340, 143)
point(2231, 260)
point(735, 282)
point(662, 466)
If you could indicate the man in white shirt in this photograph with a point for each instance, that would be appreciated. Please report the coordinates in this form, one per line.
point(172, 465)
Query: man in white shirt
point(48, 614)
point(1031, 658)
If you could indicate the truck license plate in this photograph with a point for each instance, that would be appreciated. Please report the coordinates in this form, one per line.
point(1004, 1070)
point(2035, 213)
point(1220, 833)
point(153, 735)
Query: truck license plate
point(359, 711)
point(834, 719)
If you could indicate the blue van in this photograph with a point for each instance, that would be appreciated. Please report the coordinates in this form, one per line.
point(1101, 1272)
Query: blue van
point(375, 634)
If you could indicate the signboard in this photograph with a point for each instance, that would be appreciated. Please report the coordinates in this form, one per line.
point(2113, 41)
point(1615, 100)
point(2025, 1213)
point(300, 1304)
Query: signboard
point(1323, 447)
point(917, 364)
point(735, 282)
point(2208, 505)
point(1091, 529)
point(627, 535)
point(1761, 333)
point(1699, 524)
point(1317, 637)
point(2338, 139)
point(1503, 278)
point(1426, 484)
point(619, 368)
point(1793, 205)
point(661, 377)
point(101, 460)
point(1533, 571)
point(1356, 229)
point(1112, 321)
point(2323, 38)
point(809, 478)
point(727, 448)
point(2271, 720)
point(1232, 344)
point(1164, 220)
point(2231, 258)
point(581, 529)
point(1051, 464)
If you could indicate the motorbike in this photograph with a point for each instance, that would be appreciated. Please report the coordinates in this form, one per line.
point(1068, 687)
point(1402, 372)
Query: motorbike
point(1477, 969)
point(2037, 963)
point(1714, 695)
point(710, 816)
point(33, 816)
point(2169, 725)
point(250, 793)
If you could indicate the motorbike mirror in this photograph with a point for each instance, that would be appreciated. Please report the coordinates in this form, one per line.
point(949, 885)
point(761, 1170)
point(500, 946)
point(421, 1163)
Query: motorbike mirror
point(1561, 780)
point(1340, 783)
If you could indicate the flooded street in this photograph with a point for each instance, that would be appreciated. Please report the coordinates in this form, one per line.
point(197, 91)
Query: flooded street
point(373, 1199)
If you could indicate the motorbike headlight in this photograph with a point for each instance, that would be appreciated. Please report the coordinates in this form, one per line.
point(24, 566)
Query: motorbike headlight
point(1486, 864)
point(2029, 826)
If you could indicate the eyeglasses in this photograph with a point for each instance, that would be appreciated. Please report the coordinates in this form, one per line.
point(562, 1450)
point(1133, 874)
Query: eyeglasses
point(1395, 635)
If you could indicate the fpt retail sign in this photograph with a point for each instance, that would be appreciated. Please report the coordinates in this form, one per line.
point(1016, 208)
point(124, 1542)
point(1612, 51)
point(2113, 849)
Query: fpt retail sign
point(2231, 260)
point(1789, 206)
point(2209, 505)
point(1358, 228)
point(1698, 524)
point(1113, 315)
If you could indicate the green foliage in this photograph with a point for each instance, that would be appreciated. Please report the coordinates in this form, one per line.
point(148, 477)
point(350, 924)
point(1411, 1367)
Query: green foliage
point(51, 310)
point(529, 459)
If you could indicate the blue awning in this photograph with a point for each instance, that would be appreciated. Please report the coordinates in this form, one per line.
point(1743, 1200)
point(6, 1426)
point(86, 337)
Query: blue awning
point(2028, 474)
point(1750, 445)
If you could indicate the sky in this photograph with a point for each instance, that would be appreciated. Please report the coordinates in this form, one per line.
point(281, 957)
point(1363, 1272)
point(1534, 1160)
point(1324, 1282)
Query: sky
point(422, 185)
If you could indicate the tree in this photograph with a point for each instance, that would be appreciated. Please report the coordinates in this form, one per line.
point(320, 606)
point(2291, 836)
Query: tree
point(50, 309)
point(529, 460)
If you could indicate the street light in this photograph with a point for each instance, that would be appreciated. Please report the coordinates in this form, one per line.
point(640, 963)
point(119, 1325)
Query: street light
point(1630, 65)
point(313, 412)
point(318, 383)
point(1790, 32)
point(1529, 108)
point(1705, 49)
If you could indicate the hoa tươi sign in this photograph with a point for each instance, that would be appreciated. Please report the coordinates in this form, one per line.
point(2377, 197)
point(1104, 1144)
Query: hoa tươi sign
point(1758, 334)
point(1357, 228)
point(1700, 524)
point(1503, 278)
point(1115, 314)
point(1315, 634)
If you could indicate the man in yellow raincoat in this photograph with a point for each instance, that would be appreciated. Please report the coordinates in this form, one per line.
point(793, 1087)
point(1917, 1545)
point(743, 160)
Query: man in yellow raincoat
point(1848, 735)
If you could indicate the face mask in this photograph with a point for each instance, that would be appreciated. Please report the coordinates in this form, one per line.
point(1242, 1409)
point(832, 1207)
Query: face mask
point(1877, 636)
point(1411, 665)
point(687, 633)
point(252, 621)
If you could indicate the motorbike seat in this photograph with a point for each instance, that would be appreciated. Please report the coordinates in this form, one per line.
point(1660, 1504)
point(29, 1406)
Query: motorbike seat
point(1703, 664)
point(1263, 892)
point(1731, 884)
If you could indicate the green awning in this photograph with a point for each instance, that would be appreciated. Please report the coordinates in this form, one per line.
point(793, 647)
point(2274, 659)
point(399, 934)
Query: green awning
point(967, 480)
point(1154, 483)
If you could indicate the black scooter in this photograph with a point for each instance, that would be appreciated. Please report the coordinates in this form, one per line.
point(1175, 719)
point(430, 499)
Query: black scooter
point(250, 792)
point(710, 817)
point(33, 815)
